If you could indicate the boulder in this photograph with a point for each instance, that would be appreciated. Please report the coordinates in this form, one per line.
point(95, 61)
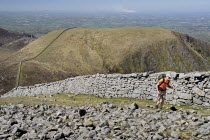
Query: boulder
point(173, 108)
point(18, 132)
point(184, 96)
point(161, 129)
point(133, 106)
point(88, 123)
point(4, 136)
point(175, 134)
point(157, 137)
point(198, 91)
point(59, 136)
point(197, 101)
point(82, 112)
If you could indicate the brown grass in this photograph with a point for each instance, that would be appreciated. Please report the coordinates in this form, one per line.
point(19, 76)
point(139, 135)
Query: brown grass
point(4, 54)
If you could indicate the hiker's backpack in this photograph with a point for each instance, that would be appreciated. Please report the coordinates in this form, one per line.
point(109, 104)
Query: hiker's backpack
point(161, 76)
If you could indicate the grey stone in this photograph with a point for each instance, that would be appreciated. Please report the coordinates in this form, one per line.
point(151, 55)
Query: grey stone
point(111, 106)
point(208, 118)
point(175, 134)
point(198, 91)
point(5, 136)
point(184, 96)
point(184, 102)
point(161, 129)
point(105, 130)
point(58, 136)
point(88, 123)
point(51, 135)
point(11, 138)
point(204, 131)
point(157, 137)
point(137, 91)
point(195, 134)
point(18, 132)
point(98, 128)
point(207, 96)
point(91, 134)
point(190, 85)
point(197, 101)
point(196, 124)
point(104, 123)
point(133, 106)
point(118, 133)
point(194, 119)
point(12, 122)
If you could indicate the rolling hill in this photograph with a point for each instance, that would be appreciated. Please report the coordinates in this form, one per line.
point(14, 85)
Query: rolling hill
point(81, 51)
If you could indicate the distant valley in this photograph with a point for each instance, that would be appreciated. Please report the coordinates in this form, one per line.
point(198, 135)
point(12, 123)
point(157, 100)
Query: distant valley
point(196, 25)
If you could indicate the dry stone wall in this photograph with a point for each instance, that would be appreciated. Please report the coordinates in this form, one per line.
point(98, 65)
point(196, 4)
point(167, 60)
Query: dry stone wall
point(191, 88)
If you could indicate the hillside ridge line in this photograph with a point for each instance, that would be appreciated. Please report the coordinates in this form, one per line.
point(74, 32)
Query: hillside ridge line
point(21, 62)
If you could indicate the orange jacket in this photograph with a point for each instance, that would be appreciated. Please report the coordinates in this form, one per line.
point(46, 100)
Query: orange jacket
point(163, 83)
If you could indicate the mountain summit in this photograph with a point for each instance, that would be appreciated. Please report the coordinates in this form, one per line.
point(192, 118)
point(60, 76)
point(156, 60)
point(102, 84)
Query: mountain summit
point(81, 51)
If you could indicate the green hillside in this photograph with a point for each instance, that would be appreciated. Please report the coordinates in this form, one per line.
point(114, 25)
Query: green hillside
point(82, 51)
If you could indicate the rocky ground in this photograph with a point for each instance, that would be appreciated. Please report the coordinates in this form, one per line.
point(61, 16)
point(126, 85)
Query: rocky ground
point(104, 121)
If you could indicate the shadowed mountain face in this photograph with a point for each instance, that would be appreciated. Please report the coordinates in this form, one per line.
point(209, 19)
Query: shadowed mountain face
point(14, 41)
point(115, 50)
point(11, 42)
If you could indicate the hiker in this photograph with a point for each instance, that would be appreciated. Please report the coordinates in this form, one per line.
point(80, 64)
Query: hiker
point(161, 90)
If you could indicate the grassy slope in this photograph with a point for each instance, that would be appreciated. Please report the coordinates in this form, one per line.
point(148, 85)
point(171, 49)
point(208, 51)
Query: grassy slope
point(9, 67)
point(4, 54)
point(125, 50)
point(88, 51)
point(32, 49)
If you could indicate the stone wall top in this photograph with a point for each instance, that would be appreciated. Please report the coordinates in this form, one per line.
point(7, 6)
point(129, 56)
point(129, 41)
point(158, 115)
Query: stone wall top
point(191, 88)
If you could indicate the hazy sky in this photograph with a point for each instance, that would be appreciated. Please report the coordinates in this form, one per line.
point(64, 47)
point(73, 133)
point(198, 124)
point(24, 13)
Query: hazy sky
point(128, 6)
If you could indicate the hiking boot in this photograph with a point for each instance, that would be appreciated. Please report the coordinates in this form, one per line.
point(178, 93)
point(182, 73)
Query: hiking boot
point(156, 106)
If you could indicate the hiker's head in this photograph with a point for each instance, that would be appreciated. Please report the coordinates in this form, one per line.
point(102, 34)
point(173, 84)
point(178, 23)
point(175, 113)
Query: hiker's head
point(168, 76)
